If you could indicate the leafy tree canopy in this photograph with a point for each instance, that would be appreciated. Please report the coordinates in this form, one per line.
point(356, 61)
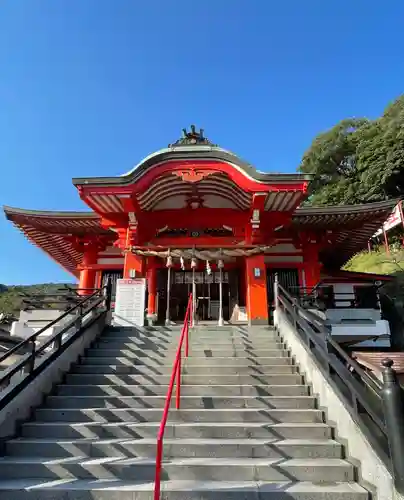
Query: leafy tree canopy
point(358, 160)
point(11, 298)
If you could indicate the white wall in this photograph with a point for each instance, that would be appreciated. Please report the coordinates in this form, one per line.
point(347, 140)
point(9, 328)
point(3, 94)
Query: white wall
point(344, 291)
point(21, 330)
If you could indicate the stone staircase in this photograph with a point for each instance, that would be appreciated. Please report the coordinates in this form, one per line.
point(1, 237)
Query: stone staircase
point(249, 428)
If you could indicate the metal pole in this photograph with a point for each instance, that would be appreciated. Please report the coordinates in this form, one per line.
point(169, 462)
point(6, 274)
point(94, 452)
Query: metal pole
point(168, 321)
point(193, 296)
point(393, 406)
point(178, 394)
point(108, 293)
point(276, 300)
point(276, 290)
point(386, 242)
point(220, 322)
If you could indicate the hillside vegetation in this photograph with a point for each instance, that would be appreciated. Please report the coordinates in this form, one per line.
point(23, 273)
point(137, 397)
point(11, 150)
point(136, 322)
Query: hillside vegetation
point(380, 262)
point(10, 296)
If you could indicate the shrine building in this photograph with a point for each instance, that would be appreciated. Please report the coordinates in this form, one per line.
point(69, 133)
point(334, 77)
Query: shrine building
point(194, 216)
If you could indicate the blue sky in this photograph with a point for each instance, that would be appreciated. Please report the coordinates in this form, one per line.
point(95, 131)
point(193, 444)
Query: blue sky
point(90, 87)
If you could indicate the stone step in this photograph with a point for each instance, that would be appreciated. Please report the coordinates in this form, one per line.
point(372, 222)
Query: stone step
point(114, 489)
point(232, 430)
point(195, 343)
point(175, 448)
point(208, 340)
point(205, 354)
point(252, 369)
point(187, 415)
point(187, 402)
point(246, 413)
point(194, 349)
point(123, 368)
point(194, 335)
point(203, 332)
point(144, 370)
point(200, 344)
point(113, 378)
point(186, 390)
point(197, 329)
point(244, 339)
point(270, 336)
point(318, 470)
point(193, 346)
point(190, 362)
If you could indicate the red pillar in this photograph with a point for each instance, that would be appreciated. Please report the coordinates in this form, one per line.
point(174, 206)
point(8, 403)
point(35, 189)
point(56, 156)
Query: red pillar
point(88, 275)
point(312, 268)
point(256, 284)
point(133, 263)
point(152, 286)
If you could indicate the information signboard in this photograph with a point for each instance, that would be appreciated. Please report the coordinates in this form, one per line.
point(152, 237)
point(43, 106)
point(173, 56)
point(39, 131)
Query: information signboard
point(130, 302)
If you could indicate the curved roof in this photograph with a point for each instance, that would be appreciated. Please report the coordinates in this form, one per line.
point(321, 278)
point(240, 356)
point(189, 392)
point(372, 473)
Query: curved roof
point(192, 170)
point(350, 228)
point(189, 153)
point(54, 232)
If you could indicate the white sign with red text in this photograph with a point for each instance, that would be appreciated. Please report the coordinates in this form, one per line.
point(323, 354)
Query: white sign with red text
point(130, 302)
point(393, 221)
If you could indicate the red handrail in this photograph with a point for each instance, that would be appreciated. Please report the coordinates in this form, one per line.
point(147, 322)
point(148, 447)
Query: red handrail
point(176, 374)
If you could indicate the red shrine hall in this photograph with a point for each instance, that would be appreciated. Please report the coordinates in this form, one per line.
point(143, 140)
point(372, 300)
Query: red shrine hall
point(194, 216)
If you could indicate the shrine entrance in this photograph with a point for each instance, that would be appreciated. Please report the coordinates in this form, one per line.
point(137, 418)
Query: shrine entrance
point(207, 300)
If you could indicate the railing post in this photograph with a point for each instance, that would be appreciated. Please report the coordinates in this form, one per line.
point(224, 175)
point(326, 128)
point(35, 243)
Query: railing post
point(295, 312)
point(392, 396)
point(79, 319)
point(193, 294)
point(108, 293)
point(192, 312)
point(157, 479)
point(58, 343)
point(178, 392)
point(29, 367)
point(220, 265)
point(276, 291)
point(168, 320)
point(186, 338)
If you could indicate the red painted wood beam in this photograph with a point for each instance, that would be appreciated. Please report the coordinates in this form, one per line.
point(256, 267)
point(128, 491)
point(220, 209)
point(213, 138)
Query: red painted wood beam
point(200, 217)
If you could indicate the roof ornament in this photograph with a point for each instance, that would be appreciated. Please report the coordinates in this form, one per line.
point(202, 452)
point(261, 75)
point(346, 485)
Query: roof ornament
point(192, 138)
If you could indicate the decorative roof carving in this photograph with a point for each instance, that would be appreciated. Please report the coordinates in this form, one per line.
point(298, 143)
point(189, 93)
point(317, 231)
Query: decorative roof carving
point(192, 138)
point(193, 174)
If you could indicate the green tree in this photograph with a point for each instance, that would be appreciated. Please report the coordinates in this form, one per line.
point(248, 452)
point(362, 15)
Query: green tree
point(380, 155)
point(358, 160)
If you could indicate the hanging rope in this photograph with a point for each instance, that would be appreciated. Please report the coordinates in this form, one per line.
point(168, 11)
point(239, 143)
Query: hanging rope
point(206, 255)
